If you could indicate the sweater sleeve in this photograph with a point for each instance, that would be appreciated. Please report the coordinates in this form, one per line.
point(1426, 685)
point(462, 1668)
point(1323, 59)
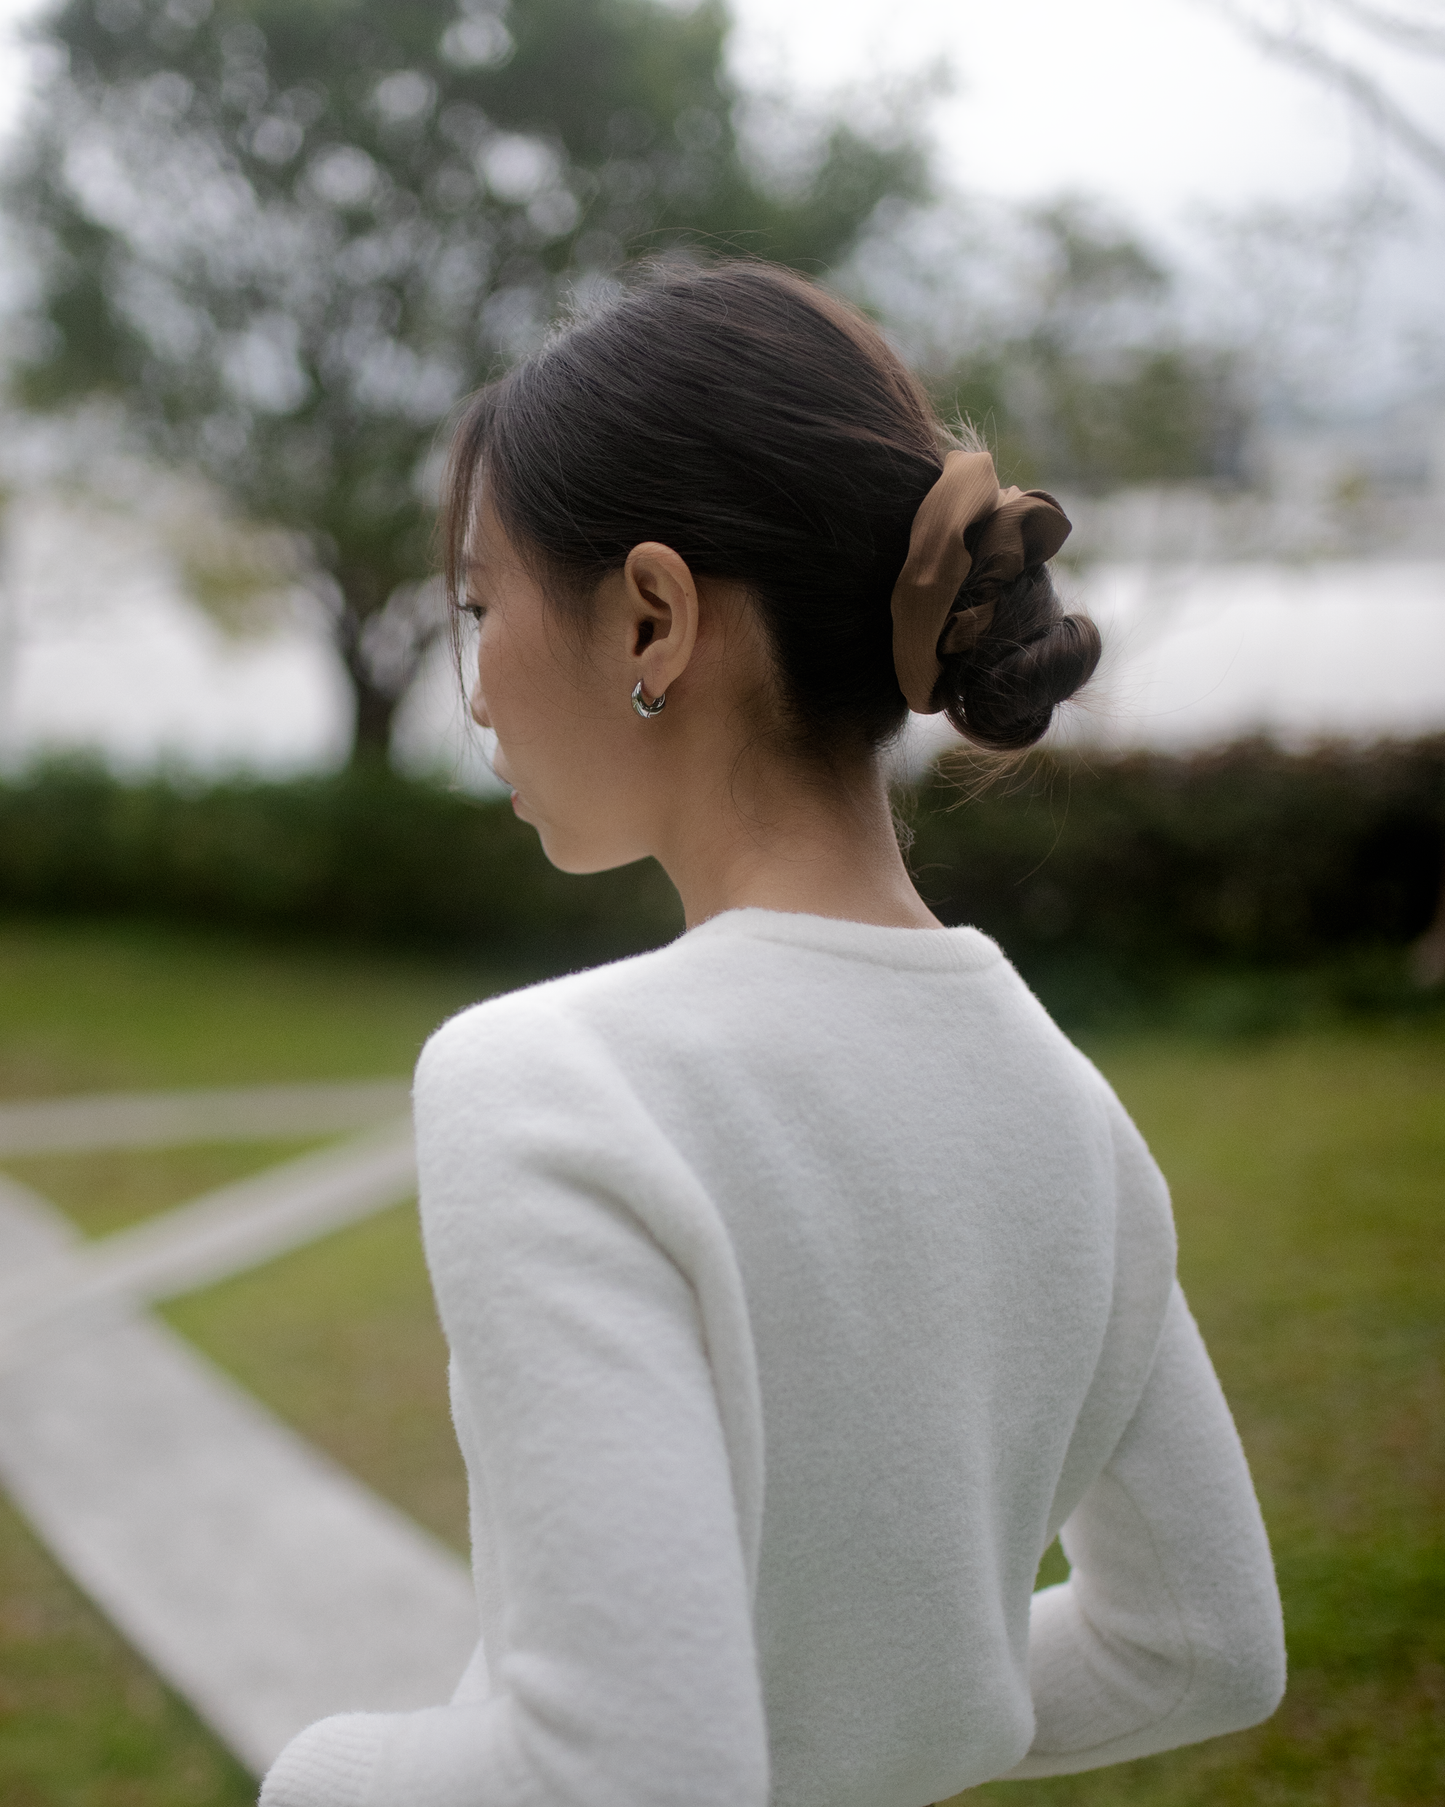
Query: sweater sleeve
point(1168, 1629)
point(616, 1612)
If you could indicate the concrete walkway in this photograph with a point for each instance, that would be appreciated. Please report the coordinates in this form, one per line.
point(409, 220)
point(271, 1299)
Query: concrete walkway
point(171, 1119)
point(237, 1226)
point(267, 1585)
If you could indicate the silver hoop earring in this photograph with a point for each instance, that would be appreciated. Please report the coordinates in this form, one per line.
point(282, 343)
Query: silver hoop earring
point(645, 709)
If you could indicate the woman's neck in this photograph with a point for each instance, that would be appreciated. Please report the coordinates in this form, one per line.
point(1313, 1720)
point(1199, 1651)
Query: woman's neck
point(785, 839)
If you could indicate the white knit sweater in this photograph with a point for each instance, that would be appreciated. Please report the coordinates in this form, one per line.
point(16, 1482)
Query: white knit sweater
point(801, 1282)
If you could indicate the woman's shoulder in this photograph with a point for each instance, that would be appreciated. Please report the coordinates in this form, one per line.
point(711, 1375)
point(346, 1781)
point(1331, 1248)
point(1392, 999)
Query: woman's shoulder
point(556, 1023)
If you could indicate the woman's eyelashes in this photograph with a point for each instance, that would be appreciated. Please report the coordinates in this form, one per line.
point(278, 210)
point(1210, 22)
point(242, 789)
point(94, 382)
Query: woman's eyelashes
point(476, 610)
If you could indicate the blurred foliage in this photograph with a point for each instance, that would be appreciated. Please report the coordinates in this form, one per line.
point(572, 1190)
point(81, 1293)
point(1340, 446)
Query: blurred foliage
point(288, 235)
point(364, 855)
point(1091, 381)
point(1241, 887)
point(1109, 881)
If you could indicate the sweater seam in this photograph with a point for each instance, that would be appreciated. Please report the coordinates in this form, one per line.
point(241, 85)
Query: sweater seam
point(1191, 1653)
point(977, 958)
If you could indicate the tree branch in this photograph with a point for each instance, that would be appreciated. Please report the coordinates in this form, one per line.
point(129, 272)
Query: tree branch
point(1367, 94)
point(1409, 34)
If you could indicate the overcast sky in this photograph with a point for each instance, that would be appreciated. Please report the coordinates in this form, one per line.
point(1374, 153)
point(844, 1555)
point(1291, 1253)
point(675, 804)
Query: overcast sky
point(1162, 104)
point(1159, 104)
point(1152, 101)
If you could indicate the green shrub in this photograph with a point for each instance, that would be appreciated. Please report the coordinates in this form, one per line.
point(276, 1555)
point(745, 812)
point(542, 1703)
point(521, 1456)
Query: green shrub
point(1113, 882)
point(361, 856)
point(1244, 887)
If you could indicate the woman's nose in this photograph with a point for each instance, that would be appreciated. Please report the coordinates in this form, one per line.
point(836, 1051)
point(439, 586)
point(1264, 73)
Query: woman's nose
point(478, 707)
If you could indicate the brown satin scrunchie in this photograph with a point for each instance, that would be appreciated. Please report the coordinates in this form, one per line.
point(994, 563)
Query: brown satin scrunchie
point(967, 530)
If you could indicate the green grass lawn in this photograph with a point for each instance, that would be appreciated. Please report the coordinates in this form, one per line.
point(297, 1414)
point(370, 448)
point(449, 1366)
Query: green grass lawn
point(1309, 1176)
point(1309, 1185)
point(94, 1008)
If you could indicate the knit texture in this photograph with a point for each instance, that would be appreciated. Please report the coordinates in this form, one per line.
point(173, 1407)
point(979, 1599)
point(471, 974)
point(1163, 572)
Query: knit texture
point(801, 1282)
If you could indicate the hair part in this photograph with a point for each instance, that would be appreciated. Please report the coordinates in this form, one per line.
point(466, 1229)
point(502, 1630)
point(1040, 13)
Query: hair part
point(767, 432)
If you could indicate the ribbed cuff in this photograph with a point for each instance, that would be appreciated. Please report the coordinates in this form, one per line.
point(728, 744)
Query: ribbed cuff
point(327, 1765)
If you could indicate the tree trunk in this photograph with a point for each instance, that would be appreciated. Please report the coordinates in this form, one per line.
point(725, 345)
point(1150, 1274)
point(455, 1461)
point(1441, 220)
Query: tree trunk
point(1427, 956)
point(376, 704)
point(383, 638)
point(375, 711)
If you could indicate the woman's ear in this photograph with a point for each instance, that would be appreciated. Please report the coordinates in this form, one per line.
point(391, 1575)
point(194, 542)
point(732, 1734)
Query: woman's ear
point(660, 613)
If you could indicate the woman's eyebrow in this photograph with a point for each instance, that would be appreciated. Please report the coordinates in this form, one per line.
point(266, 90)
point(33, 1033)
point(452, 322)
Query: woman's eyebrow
point(475, 575)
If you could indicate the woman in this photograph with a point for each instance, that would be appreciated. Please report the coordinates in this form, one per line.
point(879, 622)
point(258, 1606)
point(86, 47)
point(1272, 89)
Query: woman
point(801, 1280)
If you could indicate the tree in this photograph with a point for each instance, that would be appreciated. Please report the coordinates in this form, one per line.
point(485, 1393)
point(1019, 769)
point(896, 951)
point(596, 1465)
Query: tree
point(288, 236)
point(1093, 383)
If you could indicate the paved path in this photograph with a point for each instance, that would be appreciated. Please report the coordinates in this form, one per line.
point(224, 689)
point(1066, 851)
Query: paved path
point(264, 1582)
point(221, 1233)
point(169, 1119)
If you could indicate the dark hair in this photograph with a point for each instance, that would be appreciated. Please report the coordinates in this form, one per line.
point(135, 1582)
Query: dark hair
point(766, 432)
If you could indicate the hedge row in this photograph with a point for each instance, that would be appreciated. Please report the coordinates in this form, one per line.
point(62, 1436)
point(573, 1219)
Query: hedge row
point(1111, 882)
point(1102, 879)
point(1242, 854)
point(363, 855)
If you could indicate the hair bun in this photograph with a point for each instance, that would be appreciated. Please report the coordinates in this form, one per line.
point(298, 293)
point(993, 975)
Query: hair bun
point(1002, 693)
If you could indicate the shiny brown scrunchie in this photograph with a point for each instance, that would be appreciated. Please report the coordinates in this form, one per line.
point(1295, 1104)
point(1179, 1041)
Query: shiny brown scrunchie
point(967, 531)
